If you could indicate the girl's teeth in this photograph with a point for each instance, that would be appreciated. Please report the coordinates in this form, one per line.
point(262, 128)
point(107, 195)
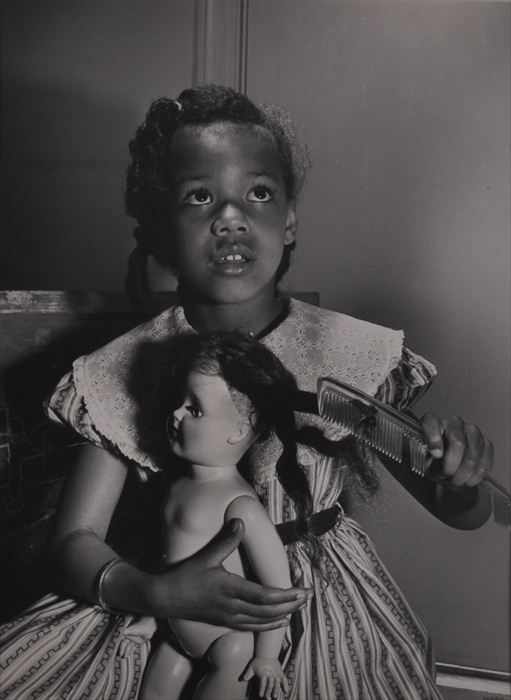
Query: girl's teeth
point(233, 258)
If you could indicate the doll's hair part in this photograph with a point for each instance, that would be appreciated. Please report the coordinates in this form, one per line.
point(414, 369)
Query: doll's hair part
point(149, 173)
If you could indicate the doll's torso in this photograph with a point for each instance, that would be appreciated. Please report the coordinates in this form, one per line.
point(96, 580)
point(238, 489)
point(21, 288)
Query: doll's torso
point(195, 511)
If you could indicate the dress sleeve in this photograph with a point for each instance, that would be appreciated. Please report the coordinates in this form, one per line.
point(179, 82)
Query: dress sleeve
point(67, 408)
point(408, 381)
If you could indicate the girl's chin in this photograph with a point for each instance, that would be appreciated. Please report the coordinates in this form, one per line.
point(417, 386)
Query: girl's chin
point(238, 290)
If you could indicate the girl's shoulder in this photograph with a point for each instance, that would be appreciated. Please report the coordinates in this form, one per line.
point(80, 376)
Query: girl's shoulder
point(101, 395)
point(313, 341)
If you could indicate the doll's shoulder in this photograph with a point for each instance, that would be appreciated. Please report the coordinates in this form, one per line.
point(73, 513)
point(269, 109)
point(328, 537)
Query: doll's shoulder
point(248, 508)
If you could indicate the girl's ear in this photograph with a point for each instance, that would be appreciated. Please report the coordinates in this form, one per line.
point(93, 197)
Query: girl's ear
point(291, 225)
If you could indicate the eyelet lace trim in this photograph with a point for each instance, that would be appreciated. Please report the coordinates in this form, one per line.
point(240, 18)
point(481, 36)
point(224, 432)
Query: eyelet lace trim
point(310, 341)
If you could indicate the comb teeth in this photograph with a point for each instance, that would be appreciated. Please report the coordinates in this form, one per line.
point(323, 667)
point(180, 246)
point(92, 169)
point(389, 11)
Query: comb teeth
point(375, 428)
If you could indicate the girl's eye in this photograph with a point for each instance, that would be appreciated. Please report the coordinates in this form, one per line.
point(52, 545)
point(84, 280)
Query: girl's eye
point(260, 193)
point(194, 411)
point(198, 197)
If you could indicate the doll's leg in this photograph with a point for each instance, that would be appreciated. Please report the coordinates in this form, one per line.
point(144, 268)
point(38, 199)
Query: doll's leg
point(166, 674)
point(227, 656)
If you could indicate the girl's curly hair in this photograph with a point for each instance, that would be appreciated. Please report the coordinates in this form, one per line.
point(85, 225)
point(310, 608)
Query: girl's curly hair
point(149, 173)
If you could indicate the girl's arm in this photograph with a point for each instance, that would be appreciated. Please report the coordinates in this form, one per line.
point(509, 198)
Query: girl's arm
point(198, 589)
point(452, 489)
point(464, 508)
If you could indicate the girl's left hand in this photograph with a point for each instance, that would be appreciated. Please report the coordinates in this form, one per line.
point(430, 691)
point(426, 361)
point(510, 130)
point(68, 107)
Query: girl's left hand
point(462, 453)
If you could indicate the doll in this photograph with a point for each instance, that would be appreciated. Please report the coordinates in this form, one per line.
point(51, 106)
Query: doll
point(232, 392)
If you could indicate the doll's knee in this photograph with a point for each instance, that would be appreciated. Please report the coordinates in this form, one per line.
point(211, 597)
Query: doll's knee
point(231, 648)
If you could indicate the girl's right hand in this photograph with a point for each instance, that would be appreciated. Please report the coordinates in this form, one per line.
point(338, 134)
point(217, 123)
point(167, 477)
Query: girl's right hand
point(201, 589)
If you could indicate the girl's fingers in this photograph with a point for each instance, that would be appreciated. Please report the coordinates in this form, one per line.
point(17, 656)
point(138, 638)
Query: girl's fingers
point(454, 451)
point(250, 612)
point(248, 624)
point(222, 544)
point(265, 597)
point(485, 463)
point(470, 463)
point(433, 432)
point(246, 612)
point(465, 452)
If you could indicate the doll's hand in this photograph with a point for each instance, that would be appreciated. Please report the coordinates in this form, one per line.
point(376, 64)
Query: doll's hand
point(462, 454)
point(199, 588)
point(272, 681)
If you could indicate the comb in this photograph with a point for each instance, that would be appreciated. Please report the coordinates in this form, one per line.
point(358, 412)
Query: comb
point(390, 432)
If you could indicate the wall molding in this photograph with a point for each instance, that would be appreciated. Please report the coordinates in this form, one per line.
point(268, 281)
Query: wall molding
point(484, 681)
point(221, 43)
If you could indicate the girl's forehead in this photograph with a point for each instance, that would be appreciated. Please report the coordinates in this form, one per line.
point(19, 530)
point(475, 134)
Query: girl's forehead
point(224, 143)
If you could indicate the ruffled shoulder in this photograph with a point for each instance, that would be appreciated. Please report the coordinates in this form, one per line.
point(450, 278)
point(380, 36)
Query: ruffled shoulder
point(112, 396)
point(408, 381)
point(102, 397)
point(67, 407)
point(314, 342)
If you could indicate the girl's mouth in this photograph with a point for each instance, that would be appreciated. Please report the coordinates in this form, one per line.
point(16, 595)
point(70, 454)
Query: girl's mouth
point(232, 262)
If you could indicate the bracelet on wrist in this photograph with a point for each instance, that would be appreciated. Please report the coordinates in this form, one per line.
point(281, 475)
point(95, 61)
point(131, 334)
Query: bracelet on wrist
point(100, 583)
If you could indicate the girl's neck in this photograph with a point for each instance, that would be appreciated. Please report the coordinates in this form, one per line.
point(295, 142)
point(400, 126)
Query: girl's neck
point(252, 316)
point(199, 472)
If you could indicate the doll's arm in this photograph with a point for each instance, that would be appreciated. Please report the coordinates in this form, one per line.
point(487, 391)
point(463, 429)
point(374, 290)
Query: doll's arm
point(269, 562)
point(198, 589)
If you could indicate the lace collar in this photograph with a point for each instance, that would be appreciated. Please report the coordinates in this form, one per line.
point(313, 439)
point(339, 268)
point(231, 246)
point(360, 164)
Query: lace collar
point(120, 384)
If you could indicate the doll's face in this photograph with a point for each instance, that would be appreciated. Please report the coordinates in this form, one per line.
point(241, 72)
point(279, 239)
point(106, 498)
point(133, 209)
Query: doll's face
point(208, 429)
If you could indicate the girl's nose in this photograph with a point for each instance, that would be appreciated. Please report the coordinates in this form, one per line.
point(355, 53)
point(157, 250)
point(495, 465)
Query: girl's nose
point(230, 220)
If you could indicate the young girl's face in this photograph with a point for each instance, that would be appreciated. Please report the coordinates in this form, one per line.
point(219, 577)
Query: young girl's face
point(207, 428)
point(230, 216)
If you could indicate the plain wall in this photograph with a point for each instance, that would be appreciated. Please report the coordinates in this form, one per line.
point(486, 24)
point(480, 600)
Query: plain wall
point(405, 221)
point(77, 79)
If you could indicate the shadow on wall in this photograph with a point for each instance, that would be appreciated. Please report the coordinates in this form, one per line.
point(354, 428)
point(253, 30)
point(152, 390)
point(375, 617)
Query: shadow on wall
point(65, 153)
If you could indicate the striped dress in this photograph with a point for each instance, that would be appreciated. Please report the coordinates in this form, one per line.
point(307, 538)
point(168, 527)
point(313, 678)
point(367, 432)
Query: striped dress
point(357, 638)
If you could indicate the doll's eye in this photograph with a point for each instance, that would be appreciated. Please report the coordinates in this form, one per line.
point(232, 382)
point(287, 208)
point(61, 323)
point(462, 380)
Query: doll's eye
point(260, 193)
point(194, 411)
point(198, 197)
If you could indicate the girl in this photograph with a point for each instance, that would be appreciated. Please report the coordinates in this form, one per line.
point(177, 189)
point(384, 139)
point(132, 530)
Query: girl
point(213, 184)
point(231, 392)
